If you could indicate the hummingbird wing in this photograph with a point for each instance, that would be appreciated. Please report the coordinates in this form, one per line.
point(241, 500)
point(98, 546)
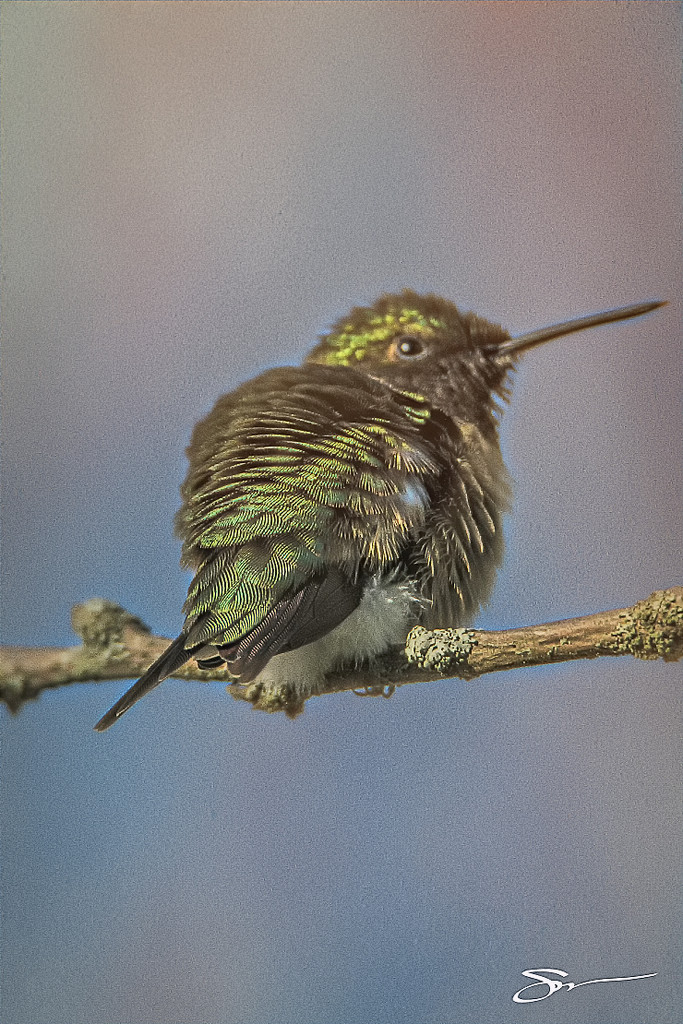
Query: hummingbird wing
point(302, 483)
point(293, 622)
point(296, 474)
point(319, 606)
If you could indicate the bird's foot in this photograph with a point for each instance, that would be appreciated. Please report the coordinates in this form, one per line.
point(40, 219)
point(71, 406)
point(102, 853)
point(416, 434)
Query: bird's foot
point(376, 691)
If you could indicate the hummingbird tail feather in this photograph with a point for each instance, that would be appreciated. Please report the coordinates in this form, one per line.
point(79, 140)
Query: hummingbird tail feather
point(328, 604)
point(173, 657)
point(307, 615)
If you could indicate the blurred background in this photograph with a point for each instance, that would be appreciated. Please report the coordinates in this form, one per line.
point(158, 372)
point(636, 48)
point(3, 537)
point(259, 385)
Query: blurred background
point(192, 192)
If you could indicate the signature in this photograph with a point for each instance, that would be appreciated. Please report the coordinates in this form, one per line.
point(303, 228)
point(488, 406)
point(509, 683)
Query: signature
point(553, 985)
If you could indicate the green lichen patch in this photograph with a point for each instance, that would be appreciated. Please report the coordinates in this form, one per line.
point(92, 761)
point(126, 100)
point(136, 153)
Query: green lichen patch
point(652, 629)
point(445, 651)
point(100, 624)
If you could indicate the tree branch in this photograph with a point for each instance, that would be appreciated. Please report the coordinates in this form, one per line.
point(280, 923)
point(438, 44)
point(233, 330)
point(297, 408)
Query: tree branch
point(117, 645)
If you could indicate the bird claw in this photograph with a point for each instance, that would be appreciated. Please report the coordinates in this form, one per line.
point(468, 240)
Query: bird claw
point(376, 691)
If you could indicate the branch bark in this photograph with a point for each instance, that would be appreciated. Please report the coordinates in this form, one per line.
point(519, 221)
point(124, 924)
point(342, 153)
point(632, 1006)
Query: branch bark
point(117, 645)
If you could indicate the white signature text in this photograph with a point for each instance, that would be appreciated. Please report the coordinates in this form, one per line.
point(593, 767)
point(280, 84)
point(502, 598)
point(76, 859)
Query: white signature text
point(552, 985)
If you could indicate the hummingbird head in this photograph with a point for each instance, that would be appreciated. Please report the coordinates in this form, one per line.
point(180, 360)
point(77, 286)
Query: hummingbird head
point(424, 344)
point(458, 361)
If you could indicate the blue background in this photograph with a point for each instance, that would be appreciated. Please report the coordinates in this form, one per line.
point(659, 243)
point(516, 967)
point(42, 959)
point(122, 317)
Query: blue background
point(191, 193)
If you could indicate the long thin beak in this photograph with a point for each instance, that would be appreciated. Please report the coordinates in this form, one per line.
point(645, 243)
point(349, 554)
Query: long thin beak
point(515, 346)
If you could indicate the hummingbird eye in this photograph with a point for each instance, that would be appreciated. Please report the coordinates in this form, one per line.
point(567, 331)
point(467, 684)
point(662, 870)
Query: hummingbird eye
point(407, 346)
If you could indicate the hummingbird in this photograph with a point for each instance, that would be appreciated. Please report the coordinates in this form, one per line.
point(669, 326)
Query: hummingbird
point(330, 507)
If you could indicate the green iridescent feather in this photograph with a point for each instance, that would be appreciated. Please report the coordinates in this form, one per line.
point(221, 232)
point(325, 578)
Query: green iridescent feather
point(292, 474)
